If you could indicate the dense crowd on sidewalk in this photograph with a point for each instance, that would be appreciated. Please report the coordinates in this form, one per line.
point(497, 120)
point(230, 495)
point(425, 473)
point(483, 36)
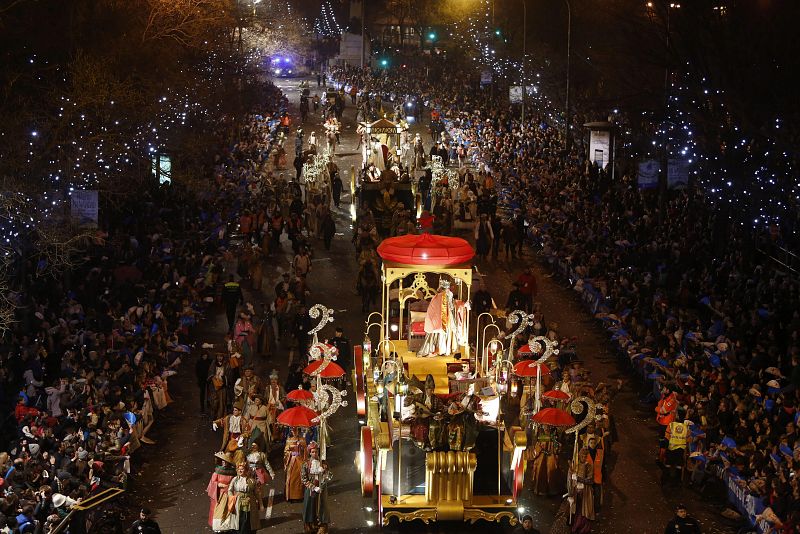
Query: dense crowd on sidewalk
point(711, 325)
point(85, 367)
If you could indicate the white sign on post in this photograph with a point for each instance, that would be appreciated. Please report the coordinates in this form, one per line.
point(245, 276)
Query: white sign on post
point(85, 207)
point(599, 151)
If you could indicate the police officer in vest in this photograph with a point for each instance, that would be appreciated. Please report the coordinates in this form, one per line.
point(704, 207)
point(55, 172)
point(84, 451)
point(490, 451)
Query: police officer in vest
point(677, 436)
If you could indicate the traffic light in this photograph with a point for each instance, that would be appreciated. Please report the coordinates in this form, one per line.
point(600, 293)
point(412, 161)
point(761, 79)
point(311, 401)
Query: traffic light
point(432, 36)
point(497, 32)
point(384, 63)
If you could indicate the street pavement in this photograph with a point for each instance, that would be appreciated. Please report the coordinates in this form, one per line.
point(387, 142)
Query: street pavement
point(174, 473)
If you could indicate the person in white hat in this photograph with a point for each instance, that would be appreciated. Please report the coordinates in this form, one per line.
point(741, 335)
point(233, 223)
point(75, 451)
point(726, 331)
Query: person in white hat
point(62, 503)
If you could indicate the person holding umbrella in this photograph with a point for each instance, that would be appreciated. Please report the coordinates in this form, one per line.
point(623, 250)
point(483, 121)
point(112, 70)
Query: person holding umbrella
point(315, 476)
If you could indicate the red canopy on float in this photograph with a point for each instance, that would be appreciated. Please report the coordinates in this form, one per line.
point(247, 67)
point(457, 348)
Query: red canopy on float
point(426, 249)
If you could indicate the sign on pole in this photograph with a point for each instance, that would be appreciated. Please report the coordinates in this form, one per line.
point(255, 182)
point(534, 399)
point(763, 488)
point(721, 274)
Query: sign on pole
point(599, 147)
point(85, 207)
point(486, 77)
point(515, 94)
point(648, 174)
point(677, 173)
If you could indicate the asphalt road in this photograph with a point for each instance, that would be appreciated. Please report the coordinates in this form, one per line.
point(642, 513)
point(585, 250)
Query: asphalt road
point(174, 472)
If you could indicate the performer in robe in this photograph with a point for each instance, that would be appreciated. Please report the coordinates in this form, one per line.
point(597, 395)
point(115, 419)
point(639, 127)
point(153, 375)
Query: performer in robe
point(544, 463)
point(373, 173)
point(315, 476)
point(224, 471)
point(218, 386)
point(376, 155)
point(587, 478)
point(419, 154)
point(234, 426)
point(246, 387)
point(276, 401)
point(257, 415)
point(244, 514)
point(294, 454)
point(259, 466)
point(440, 324)
point(462, 429)
point(427, 420)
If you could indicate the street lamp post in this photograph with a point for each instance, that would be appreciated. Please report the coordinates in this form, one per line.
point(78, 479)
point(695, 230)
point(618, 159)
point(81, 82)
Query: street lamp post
point(569, 46)
point(524, 53)
point(363, 34)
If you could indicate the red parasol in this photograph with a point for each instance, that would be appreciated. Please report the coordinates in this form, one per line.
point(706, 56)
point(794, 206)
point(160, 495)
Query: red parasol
point(528, 368)
point(299, 416)
point(426, 249)
point(300, 394)
point(525, 349)
point(332, 370)
point(556, 394)
point(553, 417)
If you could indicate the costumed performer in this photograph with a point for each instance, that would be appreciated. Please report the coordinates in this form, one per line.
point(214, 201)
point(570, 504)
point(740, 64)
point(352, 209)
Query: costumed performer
point(244, 511)
point(294, 454)
point(315, 476)
point(224, 471)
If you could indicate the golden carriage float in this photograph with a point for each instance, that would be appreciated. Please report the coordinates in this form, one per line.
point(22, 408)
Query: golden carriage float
point(435, 443)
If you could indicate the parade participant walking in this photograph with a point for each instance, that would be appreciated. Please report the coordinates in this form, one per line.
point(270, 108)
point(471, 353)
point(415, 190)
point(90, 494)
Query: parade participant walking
point(231, 296)
point(682, 523)
point(145, 525)
point(328, 227)
point(223, 473)
point(218, 386)
point(276, 401)
point(342, 344)
point(302, 263)
point(315, 476)
point(246, 387)
point(259, 464)
point(244, 510)
point(233, 427)
point(294, 454)
point(244, 334)
point(201, 368)
point(258, 420)
point(336, 188)
point(484, 236)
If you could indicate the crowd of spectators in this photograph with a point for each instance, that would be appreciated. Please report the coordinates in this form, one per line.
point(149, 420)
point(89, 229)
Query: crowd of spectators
point(85, 368)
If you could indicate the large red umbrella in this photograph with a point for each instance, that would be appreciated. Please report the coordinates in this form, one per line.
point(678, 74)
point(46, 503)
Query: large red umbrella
point(556, 394)
point(332, 370)
point(300, 394)
point(426, 249)
point(299, 416)
point(553, 417)
point(525, 349)
point(528, 368)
